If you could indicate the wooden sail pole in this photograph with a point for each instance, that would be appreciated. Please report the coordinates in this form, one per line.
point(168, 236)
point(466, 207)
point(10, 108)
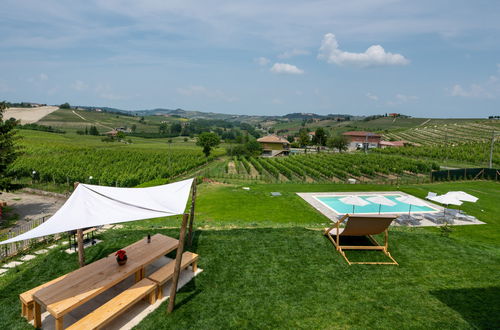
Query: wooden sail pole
point(79, 237)
point(177, 269)
point(191, 213)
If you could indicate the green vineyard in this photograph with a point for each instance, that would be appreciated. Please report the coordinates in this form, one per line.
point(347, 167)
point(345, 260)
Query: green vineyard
point(62, 163)
point(451, 133)
point(322, 168)
point(474, 153)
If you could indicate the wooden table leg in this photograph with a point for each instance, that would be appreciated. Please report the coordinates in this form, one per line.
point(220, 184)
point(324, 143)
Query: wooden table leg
point(24, 310)
point(59, 323)
point(37, 322)
point(138, 276)
point(152, 297)
point(29, 311)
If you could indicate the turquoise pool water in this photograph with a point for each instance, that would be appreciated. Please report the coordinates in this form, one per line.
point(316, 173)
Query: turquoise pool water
point(335, 204)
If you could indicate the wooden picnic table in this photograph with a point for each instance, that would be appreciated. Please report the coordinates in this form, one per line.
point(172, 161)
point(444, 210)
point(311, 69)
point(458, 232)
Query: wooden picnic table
point(87, 282)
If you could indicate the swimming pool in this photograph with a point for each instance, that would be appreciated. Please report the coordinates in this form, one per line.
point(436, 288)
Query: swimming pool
point(333, 203)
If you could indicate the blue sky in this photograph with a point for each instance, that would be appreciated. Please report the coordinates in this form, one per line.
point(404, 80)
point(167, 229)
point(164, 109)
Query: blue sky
point(422, 58)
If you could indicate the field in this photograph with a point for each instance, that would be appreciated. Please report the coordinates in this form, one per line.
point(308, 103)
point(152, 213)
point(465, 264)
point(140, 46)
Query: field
point(67, 158)
point(450, 133)
point(266, 263)
point(72, 120)
point(475, 153)
point(323, 167)
point(391, 127)
point(29, 115)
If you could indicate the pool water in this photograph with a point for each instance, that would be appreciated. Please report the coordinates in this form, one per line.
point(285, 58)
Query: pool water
point(336, 205)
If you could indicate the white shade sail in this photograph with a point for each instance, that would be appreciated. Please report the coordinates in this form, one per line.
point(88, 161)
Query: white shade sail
point(463, 196)
point(353, 200)
point(92, 205)
point(408, 199)
point(379, 199)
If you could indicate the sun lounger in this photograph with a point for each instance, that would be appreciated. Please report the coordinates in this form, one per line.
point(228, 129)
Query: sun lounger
point(358, 225)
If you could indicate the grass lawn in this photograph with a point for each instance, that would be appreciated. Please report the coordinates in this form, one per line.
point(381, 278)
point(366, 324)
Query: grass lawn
point(266, 265)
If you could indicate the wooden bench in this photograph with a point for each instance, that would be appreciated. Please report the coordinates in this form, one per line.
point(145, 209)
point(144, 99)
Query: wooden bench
point(162, 275)
point(113, 308)
point(27, 301)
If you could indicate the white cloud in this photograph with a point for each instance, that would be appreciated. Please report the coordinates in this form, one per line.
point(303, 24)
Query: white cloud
point(104, 91)
point(293, 52)
point(372, 96)
point(473, 91)
point(79, 85)
point(401, 99)
point(406, 98)
point(277, 101)
point(262, 61)
point(490, 89)
point(38, 78)
point(197, 90)
point(53, 90)
point(285, 68)
point(374, 56)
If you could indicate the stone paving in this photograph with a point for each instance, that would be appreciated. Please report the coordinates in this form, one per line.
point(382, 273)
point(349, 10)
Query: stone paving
point(28, 257)
point(12, 264)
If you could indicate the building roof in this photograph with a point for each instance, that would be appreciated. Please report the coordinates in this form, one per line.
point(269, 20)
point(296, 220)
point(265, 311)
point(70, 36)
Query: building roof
point(361, 133)
point(272, 139)
point(393, 143)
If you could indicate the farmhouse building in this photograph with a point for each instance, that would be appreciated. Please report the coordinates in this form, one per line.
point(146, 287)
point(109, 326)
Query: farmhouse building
point(273, 145)
point(361, 139)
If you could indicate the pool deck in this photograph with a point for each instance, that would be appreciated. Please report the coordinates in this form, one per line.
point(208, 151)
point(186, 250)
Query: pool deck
point(421, 220)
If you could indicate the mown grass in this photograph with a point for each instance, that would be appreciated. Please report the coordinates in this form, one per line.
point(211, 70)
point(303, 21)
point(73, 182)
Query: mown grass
point(266, 265)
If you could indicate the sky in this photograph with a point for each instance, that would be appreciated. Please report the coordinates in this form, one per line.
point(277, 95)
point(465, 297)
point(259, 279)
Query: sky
point(421, 58)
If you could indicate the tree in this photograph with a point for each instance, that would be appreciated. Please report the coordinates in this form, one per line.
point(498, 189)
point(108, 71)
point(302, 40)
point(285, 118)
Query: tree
point(253, 148)
point(163, 128)
point(120, 135)
point(8, 149)
point(93, 130)
point(65, 106)
point(303, 138)
point(320, 137)
point(176, 128)
point(338, 142)
point(208, 141)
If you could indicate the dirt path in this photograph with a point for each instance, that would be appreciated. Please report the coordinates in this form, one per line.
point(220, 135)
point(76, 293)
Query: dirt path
point(29, 115)
point(253, 171)
point(425, 122)
point(31, 206)
point(96, 123)
point(231, 168)
point(76, 114)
